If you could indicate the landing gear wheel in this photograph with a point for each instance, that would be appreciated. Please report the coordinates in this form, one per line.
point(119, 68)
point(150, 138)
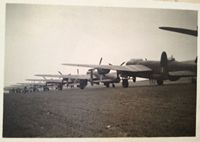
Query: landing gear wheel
point(113, 85)
point(83, 84)
point(46, 88)
point(134, 79)
point(125, 83)
point(107, 85)
point(160, 82)
point(60, 87)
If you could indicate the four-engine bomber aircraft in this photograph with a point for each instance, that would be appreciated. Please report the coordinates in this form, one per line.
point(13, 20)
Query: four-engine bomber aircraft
point(154, 70)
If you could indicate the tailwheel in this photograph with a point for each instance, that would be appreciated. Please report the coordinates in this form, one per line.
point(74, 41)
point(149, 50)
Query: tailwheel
point(125, 83)
point(160, 82)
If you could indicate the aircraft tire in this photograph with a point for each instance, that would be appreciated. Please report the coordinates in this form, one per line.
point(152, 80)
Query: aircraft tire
point(125, 83)
point(83, 84)
point(160, 82)
point(113, 85)
point(107, 85)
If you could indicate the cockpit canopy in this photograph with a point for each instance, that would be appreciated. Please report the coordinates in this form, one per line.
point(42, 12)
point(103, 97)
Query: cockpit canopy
point(134, 61)
point(170, 59)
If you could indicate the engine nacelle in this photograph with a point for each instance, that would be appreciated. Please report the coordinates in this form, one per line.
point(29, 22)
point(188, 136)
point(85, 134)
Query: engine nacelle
point(159, 77)
point(103, 71)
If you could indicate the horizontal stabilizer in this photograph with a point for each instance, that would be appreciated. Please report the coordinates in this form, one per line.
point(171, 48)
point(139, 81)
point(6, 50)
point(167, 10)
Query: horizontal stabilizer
point(182, 74)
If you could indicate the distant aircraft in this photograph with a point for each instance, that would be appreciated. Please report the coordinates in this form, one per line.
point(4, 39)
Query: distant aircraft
point(69, 80)
point(34, 86)
point(21, 88)
point(14, 89)
point(49, 82)
point(154, 70)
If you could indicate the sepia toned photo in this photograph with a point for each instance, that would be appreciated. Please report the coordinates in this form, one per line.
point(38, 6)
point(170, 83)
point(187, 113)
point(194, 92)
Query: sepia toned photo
point(94, 71)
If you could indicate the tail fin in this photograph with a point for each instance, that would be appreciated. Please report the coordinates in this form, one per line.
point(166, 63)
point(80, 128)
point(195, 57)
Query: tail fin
point(163, 63)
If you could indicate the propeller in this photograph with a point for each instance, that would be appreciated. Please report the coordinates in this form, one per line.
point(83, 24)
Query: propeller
point(100, 61)
point(77, 71)
point(60, 72)
point(122, 63)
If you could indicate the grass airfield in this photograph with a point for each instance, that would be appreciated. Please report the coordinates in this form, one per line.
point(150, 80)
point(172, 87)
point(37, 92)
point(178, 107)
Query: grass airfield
point(142, 110)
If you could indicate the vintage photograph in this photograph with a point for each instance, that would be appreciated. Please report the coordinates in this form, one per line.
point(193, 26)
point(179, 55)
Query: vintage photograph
point(94, 71)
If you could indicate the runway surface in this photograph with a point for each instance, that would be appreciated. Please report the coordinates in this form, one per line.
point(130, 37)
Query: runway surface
point(137, 111)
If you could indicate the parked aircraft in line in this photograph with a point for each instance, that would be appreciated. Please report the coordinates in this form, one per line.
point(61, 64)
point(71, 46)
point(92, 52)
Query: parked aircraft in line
point(154, 70)
point(24, 87)
point(49, 82)
point(93, 76)
point(14, 89)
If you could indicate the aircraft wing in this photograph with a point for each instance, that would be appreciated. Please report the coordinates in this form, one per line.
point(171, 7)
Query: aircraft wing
point(181, 30)
point(127, 68)
point(35, 80)
point(65, 76)
point(182, 74)
point(45, 80)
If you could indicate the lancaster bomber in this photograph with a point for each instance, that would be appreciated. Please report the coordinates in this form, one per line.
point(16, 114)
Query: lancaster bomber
point(165, 69)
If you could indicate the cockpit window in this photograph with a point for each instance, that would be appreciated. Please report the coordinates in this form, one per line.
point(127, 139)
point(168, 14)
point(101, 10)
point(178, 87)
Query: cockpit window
point(134, 61)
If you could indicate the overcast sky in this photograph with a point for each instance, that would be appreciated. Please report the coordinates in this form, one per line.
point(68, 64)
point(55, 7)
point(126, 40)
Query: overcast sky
point(40, 37)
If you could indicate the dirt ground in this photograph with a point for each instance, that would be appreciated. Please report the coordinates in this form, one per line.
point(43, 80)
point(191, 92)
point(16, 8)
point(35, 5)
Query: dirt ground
point(137, 111)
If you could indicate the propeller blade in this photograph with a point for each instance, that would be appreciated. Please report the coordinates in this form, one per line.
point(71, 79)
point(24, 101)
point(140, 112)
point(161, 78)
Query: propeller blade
point(60, 72)
point(122, 64)
point(100, 61)
point(77, 71)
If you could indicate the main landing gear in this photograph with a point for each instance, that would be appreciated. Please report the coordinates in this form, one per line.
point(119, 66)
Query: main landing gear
point(83, 84)
point(125, 83)
point(107, 84)
point(60, 87)
point(160, 82)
